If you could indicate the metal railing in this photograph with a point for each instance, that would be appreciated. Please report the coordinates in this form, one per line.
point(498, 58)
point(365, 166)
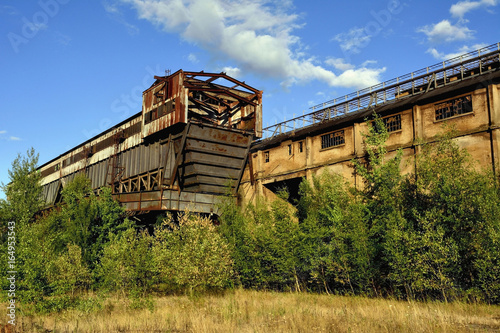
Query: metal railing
point(465, 66)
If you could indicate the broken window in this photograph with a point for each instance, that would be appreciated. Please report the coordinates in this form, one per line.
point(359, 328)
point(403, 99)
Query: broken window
point(454, 107)
point(290, 149)
point(332, 139)
point(301, 146)
point(266, 157)
point(392, 123)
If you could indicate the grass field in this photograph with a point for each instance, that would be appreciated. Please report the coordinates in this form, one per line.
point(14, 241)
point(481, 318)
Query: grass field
point(251, 311)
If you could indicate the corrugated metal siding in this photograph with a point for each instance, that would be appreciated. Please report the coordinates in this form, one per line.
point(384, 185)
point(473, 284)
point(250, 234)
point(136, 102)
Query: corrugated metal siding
point(49, 192)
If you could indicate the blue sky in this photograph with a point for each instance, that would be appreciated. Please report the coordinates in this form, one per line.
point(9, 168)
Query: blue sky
point(70, 69)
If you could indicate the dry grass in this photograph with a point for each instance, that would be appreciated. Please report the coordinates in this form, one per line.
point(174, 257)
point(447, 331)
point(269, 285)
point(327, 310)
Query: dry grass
point(250, 311)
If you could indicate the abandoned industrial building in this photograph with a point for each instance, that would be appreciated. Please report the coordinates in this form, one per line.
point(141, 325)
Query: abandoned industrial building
point(200, 134)
point(187, 146)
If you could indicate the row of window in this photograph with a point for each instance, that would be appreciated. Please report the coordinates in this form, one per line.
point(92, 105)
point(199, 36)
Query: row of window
point(160, 111)
point(448, 109)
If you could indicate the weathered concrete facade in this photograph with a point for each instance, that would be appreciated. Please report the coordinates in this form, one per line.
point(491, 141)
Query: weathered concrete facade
point(468, 100)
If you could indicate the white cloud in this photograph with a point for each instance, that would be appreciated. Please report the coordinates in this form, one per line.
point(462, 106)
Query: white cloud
point(353, 40)
point(193, 58)
point(339, 63)
point(10, 138)
point(62, 38)
point(445, 56)
point(232, 71)
point(444, 31)
point(351, 76)
point(360, 78)
point(368, 62)
point(115, 13)
point(255, 35)
point(462, 7)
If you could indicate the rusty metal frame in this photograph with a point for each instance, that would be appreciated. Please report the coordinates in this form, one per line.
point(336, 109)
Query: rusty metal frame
point(140, 183)
point(238, 182)
point(179, 157)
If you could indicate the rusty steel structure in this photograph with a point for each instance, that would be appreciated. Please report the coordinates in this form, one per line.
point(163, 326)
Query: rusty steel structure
point(187, 147)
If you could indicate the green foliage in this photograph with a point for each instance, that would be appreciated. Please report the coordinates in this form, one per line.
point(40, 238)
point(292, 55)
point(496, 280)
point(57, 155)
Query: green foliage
point(455, 211)
point(335, 249)
point(87, 220)
point(56, 252)
point(235, 228)
point(24, 190)
point(275, 233)
point(127, 263)
point(381, 198)
point(33, 255)
point(431, 234)
point(189, 255)
point(67, 272)
point(263, 242)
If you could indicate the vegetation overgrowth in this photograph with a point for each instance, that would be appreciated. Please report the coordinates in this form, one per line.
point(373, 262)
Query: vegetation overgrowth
point(433, 234)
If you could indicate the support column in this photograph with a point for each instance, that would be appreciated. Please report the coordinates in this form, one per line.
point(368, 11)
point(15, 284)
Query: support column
point(309, 157)
point(494, 115)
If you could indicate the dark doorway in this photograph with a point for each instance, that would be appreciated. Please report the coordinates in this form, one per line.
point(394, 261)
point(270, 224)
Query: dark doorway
point(291, 185)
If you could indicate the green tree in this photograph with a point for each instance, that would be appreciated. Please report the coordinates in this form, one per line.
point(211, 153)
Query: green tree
point(275, 231)
point(448, 197)
point(334, 250)
point(23, 192)
point(23, 201)
point(235, 227)
point(87, 220)
point(382, 198)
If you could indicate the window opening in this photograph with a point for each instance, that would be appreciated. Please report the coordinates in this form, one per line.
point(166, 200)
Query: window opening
point(332, 139)
point(454, 107)
point(392, 123)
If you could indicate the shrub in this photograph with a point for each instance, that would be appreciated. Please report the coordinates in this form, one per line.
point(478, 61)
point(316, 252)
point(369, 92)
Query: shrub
point(190, 256)
point(127, 263)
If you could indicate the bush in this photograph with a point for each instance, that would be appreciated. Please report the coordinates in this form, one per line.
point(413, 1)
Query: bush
point(68, 273)
point(190, 256)
point(127, 263)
